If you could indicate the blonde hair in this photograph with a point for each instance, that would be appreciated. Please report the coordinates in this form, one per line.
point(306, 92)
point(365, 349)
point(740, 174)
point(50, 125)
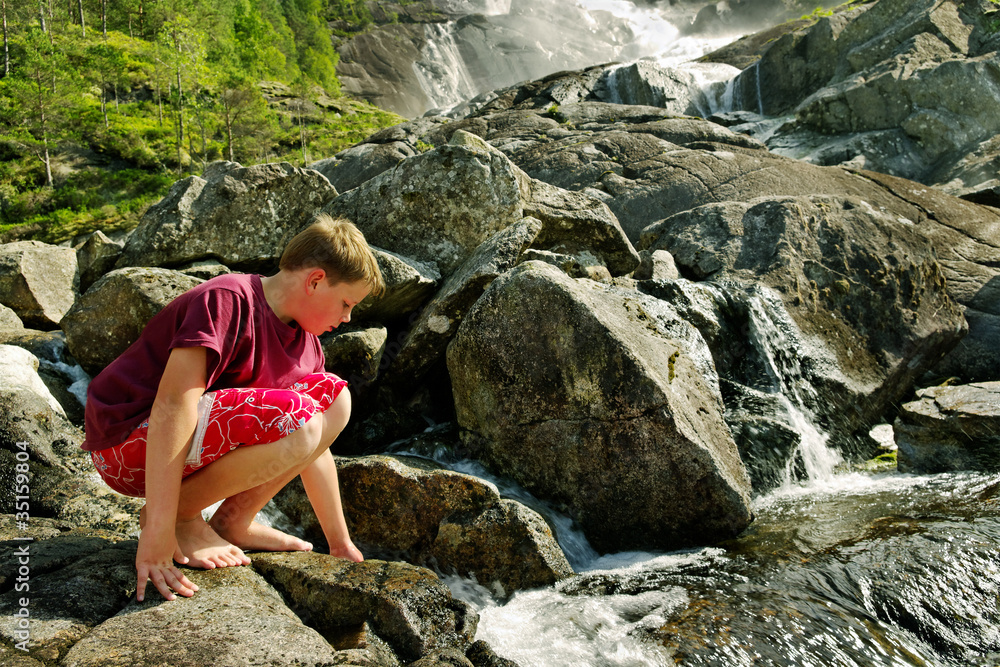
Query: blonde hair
point(339, 248)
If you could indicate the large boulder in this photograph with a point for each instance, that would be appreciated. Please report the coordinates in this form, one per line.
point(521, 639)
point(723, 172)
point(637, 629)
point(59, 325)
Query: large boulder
point(38, 281)
point(950, 428)
point(19, 368)
point(458, 523)
point(96, 256)
point(603, 401)
point(439, 206)
point(114, 311)
point(408, 285)
point(428, 336)
point(862, 287)
point(241, 216)
point(407, 606)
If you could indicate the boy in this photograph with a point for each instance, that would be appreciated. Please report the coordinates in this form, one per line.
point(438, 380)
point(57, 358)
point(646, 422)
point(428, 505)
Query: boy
point(224, 397)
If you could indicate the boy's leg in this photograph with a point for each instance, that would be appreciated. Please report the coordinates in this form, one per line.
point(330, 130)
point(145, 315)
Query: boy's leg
point(246, 479)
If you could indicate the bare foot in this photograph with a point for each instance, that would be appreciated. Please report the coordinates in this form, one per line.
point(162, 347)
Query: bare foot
point(205, 548)
point(259, 537)
point(347, 551)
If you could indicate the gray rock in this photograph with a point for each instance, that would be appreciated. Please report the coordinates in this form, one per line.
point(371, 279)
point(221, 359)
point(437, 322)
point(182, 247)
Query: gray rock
point(377, 66)
point(458, 523)
point(508, 545)
point(656, 265)
point(577, 223)
point(437, 323)
point(950, 428)
point(96, 256)
point(357, 164)
point(19, 368)
point(481, 654)
point(861, 285)
point(616, 412)
point(235, 618)
point(679, 91)
point(437, 206)
point(408, 285)
point(38, 281)
point(448, 657)
point(67, 604)
point(240, 216)
point(111, 315)
point(407, 606)
point(9, 321)
point(354, 352)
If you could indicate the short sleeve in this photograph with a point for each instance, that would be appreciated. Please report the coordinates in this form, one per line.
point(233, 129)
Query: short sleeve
point(214, 319)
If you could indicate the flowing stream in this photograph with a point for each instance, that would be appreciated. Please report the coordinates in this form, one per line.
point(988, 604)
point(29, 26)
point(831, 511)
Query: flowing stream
point(838, 568)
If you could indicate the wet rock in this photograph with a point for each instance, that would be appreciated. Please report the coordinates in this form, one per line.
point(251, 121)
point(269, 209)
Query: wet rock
point(67, 603)
point(438, 206)
point(407, 606)
point(377, 66)
point(458, 523)
point(38, 281)
point(235, 618)
point(408, 285)
point(29, 423)
point(436, 324)
point(481, 654)
point(354, 353)
point(52, 544)
point(681, 91)
point(96, 256)
point(508, 544)
point(112, 313)
point(616, 414)
point(860, 284)
point(950, 428)
point(448, 657)
point(240, 216)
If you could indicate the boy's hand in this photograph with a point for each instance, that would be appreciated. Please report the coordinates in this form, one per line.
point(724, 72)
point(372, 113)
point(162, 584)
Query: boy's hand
point(153, 562)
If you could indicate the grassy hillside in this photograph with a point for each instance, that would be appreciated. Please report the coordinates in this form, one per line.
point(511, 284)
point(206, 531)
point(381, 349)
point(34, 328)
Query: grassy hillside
point(105, 103)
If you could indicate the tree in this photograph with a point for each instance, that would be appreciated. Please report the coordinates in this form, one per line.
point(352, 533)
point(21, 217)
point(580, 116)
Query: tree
point(6, 45)
point(187, 56)
point(243, 111)
point(37, 96)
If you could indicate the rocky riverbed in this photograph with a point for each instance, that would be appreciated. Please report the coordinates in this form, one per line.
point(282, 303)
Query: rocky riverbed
point(617, 306)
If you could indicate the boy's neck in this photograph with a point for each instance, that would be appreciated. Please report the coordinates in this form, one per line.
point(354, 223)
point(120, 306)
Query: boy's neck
point(278, 292)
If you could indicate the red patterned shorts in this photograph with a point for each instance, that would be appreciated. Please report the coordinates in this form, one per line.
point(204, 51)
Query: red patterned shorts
point(227, 419)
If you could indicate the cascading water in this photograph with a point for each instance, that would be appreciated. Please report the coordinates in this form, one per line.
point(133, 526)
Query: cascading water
point(773, 343)
point(520, 40)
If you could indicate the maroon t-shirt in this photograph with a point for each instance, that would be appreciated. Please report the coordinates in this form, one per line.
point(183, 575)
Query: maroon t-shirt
point(248, 346)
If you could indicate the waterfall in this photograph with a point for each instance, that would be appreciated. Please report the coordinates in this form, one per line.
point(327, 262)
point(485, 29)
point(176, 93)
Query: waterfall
point(442, 72)
point(773, 337)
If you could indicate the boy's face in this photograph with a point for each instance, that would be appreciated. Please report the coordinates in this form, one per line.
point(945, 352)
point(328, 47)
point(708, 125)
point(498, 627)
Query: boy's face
point(331, 305)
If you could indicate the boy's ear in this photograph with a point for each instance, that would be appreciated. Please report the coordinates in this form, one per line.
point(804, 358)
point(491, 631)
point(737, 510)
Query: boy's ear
point(314, 278)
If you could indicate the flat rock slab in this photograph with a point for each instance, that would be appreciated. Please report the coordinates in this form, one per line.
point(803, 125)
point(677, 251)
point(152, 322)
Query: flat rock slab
point(950, 428)
point(235, 619)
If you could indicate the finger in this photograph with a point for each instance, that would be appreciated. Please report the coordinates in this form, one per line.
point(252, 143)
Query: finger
point(161, 585)
point(140, 585)
point(180, 583)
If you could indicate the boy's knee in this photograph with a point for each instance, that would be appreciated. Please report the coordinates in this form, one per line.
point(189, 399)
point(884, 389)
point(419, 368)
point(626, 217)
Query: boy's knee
point(339, 413)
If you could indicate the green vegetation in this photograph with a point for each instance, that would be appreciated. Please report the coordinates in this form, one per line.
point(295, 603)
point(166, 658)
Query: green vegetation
point(105, 103)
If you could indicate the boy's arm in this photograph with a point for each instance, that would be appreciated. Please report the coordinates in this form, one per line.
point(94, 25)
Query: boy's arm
point(323, 488)
point(172, 423)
